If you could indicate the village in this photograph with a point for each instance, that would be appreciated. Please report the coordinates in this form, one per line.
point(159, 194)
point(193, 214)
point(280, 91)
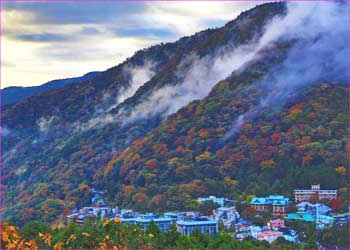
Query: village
point(226, 216)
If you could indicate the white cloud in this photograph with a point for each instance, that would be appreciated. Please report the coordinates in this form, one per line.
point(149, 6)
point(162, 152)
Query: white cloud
point(38, 62)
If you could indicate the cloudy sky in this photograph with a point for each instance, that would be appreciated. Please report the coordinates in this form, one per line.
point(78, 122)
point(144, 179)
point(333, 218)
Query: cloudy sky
point(43, 41)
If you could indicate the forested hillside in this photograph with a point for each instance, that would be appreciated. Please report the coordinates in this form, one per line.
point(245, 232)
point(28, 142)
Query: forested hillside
point(254, 107)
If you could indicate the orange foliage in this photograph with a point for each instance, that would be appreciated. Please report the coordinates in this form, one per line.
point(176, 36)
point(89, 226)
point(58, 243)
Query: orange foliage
point(205, 155)
point(180, 149)
point(137, 143)
point(248, 127)
point(12, 239)
point(161, 149)
point(151, 164)
point(307, 159)
point(170, 126)
point(139, 197)
point(127, 189)
point(156, 200)
point(276, 138)
point(204, 133)
point(181, 171)
point(194, 188)
point(267, 164)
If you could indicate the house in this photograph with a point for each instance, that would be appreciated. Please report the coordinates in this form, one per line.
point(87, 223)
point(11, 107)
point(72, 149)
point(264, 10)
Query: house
point(314, 208)
point(288, 234)
point(254, 231)
point(278, 204)
point(81, 216)
point(305, 194)
point(341, 218)
point(242, 226)
point(269, 236)
point(275, 223)
point(324, 221)
point(203, 224)
point(219, 201)
point(242, 236)
point(227, 215)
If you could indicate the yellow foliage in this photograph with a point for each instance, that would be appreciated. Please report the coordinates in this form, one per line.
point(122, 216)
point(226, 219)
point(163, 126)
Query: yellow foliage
point(58, 246)
point(83, 187)
point(199, 110)
point(173, 161)
point(46, 237)
point(205, 155)
point(117, 220)
point(105, 223)
point(267, 164)
point(85, 234)
point(103, 246)
point(341, 170)
point(107, 237)
point(71, 238)
point(151, 235)
point(203, 133)
point(231, 183)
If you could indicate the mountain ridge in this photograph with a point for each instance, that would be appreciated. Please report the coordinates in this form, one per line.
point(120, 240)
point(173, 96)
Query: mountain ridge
point(14, 94)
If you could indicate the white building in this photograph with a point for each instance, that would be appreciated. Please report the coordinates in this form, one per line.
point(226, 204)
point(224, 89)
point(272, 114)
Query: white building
point(305, 194)
point(219, 201)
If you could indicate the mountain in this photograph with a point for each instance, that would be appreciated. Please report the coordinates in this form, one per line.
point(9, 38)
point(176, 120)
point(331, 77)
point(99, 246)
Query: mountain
point(12, 95)
point(256, 106)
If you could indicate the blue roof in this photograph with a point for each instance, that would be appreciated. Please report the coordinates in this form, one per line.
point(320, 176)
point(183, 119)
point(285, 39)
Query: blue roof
point(300, 216)
point(270, 200)
point(195, 222)
point(160, 219)
point(259, 201)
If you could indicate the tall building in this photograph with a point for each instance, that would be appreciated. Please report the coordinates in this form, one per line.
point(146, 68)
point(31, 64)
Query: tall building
point(305, 194)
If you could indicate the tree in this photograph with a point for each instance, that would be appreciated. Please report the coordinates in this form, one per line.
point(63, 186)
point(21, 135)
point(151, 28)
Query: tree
point(314, 198)
point(171, 236)
point(336, 204)
point(206, 207)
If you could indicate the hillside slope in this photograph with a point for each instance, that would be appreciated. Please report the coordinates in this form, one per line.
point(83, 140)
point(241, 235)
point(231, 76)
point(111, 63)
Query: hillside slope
point(54, 142)
point(257, 106)
point(12, 95)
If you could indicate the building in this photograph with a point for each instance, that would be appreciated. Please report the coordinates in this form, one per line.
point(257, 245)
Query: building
point(84, 213)
point(300, 216)
point(277, 204)
point(162, 222)
point(204, 225)
point(242, 226)
point(305, 194)
point(314, 208)
point(228, 215)
point(220, 201)
point(275, 223)
point(269, 236)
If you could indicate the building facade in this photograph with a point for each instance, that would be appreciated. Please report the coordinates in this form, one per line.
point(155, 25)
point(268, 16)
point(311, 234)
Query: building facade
point(277, 204)
point(305, 194)
point(204, 225)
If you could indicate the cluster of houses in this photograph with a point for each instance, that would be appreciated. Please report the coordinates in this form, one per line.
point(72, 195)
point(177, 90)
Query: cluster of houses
point(269, 232)
point(188, 222)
